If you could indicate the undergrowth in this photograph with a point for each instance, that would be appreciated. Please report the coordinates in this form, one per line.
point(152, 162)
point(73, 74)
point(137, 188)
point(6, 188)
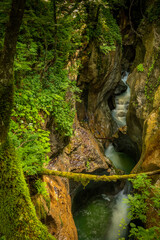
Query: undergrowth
point(145, 198)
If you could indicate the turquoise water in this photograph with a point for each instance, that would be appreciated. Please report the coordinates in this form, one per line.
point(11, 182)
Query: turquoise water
point(92, 219)
point(120, 160)
point(100, 218)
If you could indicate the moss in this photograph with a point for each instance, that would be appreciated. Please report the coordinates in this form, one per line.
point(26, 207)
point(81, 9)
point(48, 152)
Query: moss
point(17, 214)
point(85, 178)
point(140, 68)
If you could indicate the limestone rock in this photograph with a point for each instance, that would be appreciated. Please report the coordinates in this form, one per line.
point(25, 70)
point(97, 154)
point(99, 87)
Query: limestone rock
point(98, 80)
point(59, 218)
point(151, 142)
point(81, 154)
point(143, 118)
point(121, 87)
point(143, 91)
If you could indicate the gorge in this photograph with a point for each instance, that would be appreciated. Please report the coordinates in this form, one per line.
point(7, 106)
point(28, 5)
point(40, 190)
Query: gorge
point(104, 211)
point(84, 98)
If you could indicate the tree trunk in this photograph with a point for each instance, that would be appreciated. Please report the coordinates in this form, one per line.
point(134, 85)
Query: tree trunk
point(6, 66)
point(85, 178)
point(18, 220)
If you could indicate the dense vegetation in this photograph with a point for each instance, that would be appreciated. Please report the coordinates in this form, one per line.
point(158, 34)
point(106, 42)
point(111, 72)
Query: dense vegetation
point(46, 63)
point(45, 66)
point(44, 70)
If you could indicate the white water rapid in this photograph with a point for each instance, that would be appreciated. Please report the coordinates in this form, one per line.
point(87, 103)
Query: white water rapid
point(103, 215)
point(122, 102)
point(119, 220)
point(123, 162)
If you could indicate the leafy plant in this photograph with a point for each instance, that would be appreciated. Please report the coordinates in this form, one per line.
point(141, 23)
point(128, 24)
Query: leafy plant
point(88, 165)
point(140, 68)
point(107, 31)
point(41, 188)
point(145, 196)
point(42, 85)
point(153, 12)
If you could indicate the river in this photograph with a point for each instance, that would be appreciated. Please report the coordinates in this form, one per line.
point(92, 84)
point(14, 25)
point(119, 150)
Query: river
point(104, 216)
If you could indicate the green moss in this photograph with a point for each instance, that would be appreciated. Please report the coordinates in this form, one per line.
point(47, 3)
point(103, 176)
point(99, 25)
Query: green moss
point(153, 12)
point(140, 68)
point(17, 214)
point(85, 178)
point(152, 83)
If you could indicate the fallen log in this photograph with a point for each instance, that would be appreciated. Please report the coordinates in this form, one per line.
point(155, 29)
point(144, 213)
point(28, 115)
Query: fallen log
point(86, 178)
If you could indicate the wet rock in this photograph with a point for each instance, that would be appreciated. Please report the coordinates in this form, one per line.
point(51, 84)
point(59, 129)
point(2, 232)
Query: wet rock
point(98, 80)
point(142, 95)
point(111, 102)
point(121, 114)
point(59, 218)
point(121, 87)
point(123, 143)
point(151, 139)
point(81, 154)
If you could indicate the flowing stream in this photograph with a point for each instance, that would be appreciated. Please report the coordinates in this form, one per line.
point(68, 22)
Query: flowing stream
point(122, 102)
point(100, 217)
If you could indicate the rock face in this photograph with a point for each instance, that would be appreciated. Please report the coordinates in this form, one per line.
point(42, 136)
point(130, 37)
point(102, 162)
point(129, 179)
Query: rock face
point(59, 218)
point(98, 80)
point(151, 139)
point(143, 117)
point(57, 141)
point(82, 154)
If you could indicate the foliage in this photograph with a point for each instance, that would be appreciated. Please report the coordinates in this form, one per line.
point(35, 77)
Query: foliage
point(107, 31)
point(146, 196)
point(3, 238)
point(117, 3)
point(4, 9)
point(31, 141)
point(153, 12)
point(17, 213)
point(41, 188)
point(140, 68)
point(144, 234)
point(99, 25)
point(42, 85)
point(88, 165)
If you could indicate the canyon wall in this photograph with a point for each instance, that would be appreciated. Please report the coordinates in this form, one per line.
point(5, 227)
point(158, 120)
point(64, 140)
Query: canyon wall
point(143, 117)
point(98, 80)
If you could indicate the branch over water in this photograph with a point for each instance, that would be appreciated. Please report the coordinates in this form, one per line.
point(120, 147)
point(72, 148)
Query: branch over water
point(86, 178)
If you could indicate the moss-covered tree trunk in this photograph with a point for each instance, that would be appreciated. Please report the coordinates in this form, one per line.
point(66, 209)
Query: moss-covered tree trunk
point(18, 220)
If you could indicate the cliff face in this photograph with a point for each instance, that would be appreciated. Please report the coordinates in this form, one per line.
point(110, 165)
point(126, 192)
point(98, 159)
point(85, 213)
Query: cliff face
point(98, 79)
point(59, 218)
point(82, 153)
point(144, 115)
